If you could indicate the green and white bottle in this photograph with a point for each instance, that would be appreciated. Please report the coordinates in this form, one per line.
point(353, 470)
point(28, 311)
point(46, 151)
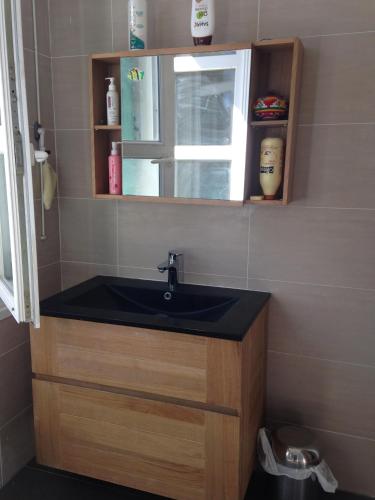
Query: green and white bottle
point(137, 19)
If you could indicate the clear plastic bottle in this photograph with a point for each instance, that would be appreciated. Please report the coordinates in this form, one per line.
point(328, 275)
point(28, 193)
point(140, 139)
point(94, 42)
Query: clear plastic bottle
point(202, 21)
point(113, 108)
point(137, 20)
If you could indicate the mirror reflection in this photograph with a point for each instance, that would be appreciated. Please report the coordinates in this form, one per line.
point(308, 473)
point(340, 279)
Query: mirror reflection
point(184, 124)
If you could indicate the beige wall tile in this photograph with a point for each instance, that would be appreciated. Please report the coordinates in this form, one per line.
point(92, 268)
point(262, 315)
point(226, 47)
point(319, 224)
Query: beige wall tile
point(15, 374)
point(141, 273)
point(49, 280)
point(27, 24)
point(188, 278)
point(337, 81)
point(173, 24)
point(80, 27)
point(11, 334)
point(120, 24)
point(74, 163)
point(88, 232)
point(236, 21)
point(17, 444)
point(320, 321)
point(42, 24)
point(352, 460)
point(219, 281)
point(327, 395)
point(317, 17)
point(321, 246)
point(46, 98)
point(213, 239)
point(70, 86)
point(333, 166)
point(74, 273)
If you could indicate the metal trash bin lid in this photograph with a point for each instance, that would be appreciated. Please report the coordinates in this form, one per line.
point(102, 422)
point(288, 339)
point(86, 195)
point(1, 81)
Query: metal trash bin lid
point(294, 447)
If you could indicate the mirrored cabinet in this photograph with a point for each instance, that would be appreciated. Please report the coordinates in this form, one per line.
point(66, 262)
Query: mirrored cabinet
point(186, 123)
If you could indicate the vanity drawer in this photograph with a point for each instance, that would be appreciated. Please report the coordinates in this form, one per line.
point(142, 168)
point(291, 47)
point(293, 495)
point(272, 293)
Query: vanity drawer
point(163, 448)
point(173, 365)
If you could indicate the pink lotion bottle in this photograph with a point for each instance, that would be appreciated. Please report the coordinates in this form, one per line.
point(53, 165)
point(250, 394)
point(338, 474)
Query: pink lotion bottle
point(115, 170)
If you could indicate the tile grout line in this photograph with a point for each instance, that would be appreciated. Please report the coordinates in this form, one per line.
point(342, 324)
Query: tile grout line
point(73, 129)
point(258, 34)
point(338, 124)
point(55, 135)
point(112, 29)
point(348, 33)
point(308, 283)
point(49, 265)
point(149, 269)
point(304, 283)
point(326, 360)
point(258, 21)
point(354, 436)
point(70, 56)
point(11, 350)
point(24, 410)
point(39, 53)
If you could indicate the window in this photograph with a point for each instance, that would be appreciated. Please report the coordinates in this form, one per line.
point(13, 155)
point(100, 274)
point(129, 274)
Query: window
point(184, 124)
point(18, 266)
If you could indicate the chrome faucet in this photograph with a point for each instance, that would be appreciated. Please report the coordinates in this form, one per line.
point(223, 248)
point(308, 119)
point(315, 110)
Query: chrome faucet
point(174, 266)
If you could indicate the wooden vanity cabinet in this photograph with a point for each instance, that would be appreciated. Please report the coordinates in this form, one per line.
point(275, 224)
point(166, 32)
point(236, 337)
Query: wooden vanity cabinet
point(169, 413)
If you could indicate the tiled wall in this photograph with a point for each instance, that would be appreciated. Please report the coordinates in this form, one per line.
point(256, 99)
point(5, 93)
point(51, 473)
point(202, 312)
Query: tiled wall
point(16, 424)
point(317, 256)
point(49, 249)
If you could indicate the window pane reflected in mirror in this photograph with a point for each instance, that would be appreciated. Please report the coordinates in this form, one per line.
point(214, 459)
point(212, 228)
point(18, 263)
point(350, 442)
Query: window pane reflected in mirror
point(140, 99)
point(202, 179)
point(140, 177)
point(204, 107)
point(177, 179)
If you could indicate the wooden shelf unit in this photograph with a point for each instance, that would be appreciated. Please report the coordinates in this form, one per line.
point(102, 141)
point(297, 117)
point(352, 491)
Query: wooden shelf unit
point(276, 67)
point(102, 135)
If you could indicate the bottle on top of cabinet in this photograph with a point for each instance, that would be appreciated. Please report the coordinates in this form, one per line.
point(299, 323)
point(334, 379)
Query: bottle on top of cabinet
point(137, 19)
point(113, 108)
point(202, 21)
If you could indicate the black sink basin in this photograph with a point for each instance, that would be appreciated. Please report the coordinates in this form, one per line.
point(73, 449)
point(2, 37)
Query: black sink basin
point(199, 310)
point(179, 304)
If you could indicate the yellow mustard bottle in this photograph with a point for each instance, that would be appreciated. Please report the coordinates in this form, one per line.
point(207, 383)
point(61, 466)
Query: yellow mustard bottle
point(271, 166)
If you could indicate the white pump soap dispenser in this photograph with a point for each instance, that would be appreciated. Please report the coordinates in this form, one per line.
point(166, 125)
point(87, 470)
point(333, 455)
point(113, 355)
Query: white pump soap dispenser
point(113, 108)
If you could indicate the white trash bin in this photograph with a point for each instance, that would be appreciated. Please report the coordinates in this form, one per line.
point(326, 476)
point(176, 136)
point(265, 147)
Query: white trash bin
point(289, 454)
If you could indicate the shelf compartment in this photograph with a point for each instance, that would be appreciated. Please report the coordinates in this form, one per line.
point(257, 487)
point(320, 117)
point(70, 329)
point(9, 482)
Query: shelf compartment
point(276, 68)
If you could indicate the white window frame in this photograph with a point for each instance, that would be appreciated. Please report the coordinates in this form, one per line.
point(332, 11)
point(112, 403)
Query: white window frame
point(23, 300)
point(240, 61)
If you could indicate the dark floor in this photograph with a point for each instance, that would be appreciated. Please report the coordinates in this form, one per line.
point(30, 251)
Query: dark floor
point(41, 483)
